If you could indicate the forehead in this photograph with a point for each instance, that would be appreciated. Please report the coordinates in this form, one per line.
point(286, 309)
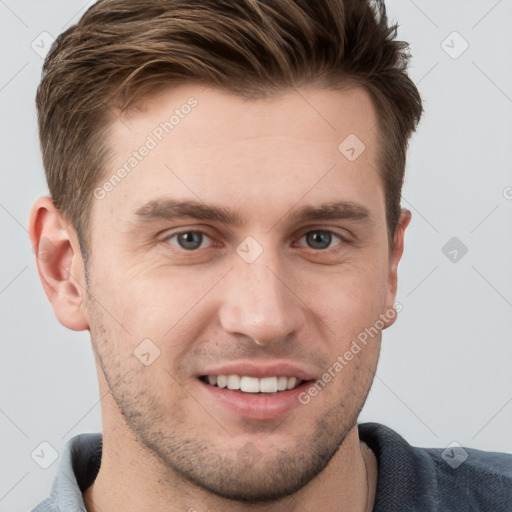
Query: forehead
point(201, 143)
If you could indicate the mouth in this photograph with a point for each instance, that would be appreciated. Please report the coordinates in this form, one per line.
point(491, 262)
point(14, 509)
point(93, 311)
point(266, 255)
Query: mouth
point(255, 392)
point(253, 385)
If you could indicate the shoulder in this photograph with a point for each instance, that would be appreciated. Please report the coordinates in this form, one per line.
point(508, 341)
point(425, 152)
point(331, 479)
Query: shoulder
point(451, 479)
point(48, 505)
point(79, 464)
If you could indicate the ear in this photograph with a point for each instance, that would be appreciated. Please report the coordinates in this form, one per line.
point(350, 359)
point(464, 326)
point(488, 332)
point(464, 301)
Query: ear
point(396, 255)
point(59, 263)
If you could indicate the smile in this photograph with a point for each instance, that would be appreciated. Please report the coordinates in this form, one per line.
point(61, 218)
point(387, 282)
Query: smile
point(247, 384)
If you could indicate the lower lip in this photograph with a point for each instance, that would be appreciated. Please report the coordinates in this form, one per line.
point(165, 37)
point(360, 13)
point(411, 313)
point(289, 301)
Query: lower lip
point(255, 406)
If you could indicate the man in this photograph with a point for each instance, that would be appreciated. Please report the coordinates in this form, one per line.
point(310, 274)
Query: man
point(225, 220)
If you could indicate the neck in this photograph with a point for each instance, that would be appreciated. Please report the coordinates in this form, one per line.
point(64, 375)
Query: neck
point(132, 479)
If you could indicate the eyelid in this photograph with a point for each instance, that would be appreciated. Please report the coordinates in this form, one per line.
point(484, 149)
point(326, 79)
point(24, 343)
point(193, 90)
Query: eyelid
point(180, 232)
point(343, 233)
point(167, 235)
point(325, 230)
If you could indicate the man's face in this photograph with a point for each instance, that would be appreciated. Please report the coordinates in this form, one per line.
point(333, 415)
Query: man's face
point(265, 290)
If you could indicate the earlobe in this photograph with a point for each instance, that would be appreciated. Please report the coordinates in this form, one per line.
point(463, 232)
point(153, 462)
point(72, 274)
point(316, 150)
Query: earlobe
point(396, 255)
point(59, 263)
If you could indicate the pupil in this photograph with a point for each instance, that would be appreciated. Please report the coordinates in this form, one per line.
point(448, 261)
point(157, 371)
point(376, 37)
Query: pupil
point(190, 240)
point(317, 238)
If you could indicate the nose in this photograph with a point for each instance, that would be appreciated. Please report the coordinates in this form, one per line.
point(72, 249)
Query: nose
point(259, 301)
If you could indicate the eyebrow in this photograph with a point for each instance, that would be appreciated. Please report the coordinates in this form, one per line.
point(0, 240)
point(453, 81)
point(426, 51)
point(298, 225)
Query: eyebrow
point(170, 209)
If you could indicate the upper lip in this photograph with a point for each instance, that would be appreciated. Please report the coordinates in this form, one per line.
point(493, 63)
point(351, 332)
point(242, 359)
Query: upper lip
point(251, 369)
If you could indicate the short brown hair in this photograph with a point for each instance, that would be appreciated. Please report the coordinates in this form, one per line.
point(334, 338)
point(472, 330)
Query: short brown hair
point(122, 50)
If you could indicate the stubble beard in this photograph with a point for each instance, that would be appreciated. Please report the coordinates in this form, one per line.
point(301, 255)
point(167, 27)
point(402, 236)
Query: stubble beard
point(190, 457)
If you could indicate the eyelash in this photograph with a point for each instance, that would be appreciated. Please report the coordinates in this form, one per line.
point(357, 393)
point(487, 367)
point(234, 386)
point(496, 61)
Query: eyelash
point(198, 231)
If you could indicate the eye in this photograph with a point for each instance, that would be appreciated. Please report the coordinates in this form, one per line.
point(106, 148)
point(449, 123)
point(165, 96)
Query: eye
point(320, 239)
point(189, 240)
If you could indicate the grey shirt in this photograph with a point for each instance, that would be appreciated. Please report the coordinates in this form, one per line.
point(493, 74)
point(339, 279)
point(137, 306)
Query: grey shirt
point(410, 479)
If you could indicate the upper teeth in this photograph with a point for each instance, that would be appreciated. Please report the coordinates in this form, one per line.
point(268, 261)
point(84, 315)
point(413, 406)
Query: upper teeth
point(253, 384)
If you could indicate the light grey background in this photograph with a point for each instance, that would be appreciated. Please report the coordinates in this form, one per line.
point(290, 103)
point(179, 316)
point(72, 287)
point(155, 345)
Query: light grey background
point(444, 373)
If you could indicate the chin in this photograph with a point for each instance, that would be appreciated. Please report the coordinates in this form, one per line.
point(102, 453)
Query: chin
point(248, 474)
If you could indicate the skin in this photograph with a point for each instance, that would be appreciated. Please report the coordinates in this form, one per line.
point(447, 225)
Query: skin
point(167, 444)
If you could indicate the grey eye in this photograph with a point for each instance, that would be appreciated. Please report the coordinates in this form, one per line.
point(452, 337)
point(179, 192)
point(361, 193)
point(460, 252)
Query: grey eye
point(320, 239)
point(189, 240)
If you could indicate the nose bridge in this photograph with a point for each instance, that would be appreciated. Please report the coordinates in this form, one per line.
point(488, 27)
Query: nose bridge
point(258, 302)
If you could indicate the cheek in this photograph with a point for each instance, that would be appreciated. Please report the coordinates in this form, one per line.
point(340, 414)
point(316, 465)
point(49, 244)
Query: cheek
point(169, 307)
point(150, 300)
point(349, 300)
